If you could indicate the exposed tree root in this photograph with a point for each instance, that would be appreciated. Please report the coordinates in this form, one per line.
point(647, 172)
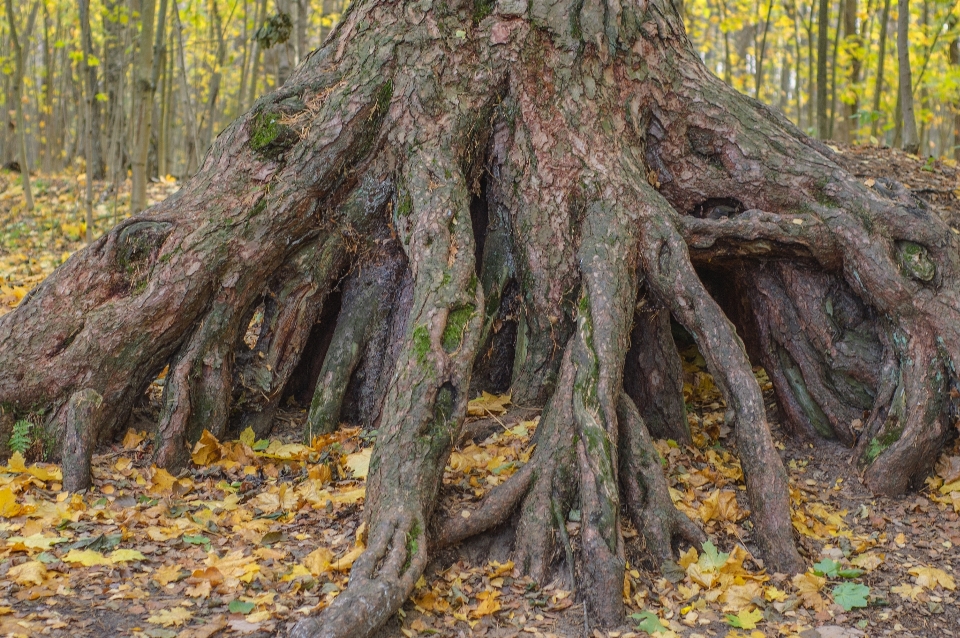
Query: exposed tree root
point(80, 439)
point(667, 264)
point(366, 299)
point(645, 488)
point(290, 310)
point(425, 402)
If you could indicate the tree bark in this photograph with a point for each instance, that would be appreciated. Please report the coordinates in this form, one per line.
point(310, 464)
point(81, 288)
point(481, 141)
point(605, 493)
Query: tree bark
point(823, 41)
point(911, 143)
point(17, 92)
point(435, 154)
point(878, 86)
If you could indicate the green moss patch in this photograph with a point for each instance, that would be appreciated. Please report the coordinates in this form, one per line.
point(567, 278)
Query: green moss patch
point(456, 324)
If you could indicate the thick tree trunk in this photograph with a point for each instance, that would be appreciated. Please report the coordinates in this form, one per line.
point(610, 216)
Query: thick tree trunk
point(439, 155)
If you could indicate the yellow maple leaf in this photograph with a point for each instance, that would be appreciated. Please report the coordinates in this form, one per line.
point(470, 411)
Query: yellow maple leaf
point(319, 561)
point(31, 573)
point(345, 562)
point(808, 587)
point(34, 541)
point(126, 555)
point(132, 439)
point(688, 557)
point(248, 437)
point(171, 617)
point(495, 569)
point(737, 597)
point(16, 464)
point(86, 557)
point(359, 463)
point(166, 574)
point(774, 595)
point(930, 577)
point(868, 562)
point(907, 591)
point(8, 503)
point(200, 590)
point(488, 603)
point(298, 571)
point(207, 450)
point(162, 481)
point(487, 404)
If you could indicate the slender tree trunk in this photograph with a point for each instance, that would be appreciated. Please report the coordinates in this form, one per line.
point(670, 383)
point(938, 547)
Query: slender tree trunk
point(244, 57)
point(189, 119)
point(911, 143)
point(955, 105)
point(854, 43)
point(823, 35)
point(89, 88)
point(758, 80)
point(46, 100)
point(881, 54)
point(255, 64)
point(17, 93)
point(833, 72)
point(215, 77)
point(144, 72)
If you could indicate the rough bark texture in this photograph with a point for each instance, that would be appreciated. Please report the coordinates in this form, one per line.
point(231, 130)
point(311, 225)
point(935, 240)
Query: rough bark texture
point(544, 165)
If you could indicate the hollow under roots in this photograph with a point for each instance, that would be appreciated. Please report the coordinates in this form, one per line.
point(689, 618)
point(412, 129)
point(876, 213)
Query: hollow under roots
point(384, 221)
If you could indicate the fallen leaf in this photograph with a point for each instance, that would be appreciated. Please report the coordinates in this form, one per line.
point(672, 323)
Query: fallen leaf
point(86, 557)
point(30, 573)
point(171, 617)
point(930, 577)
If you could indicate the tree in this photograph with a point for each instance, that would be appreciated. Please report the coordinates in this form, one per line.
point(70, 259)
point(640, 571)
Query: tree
point(823, 35)
point(911, 142)
point(89, 86)
point(17, 93)
point(456, 157)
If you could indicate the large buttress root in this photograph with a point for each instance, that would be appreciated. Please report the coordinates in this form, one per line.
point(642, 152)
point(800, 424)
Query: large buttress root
point(645, 488)
point(292, 307)
point(366, 299)
point(426, 399)
point(670, 273)
point(899, 259)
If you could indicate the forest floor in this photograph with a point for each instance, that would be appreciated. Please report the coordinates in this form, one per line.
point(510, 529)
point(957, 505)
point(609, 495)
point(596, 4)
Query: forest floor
point(257, 533)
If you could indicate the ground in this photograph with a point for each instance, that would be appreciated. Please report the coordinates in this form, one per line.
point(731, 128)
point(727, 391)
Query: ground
point(257, 533)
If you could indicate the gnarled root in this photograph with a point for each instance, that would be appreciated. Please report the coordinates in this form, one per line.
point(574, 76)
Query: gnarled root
point(670, 273)
point(425, 402)
point(645, 488)
point(366, 302)
point(79, 439)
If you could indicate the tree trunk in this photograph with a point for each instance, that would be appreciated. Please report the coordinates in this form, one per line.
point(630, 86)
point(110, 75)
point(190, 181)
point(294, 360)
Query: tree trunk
point(439, 155)
point(823, 41)
point(878, 86)
point(955, 105)
point(851, 35)
point(17, 93)
point(911, 143)
point(89, 85)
